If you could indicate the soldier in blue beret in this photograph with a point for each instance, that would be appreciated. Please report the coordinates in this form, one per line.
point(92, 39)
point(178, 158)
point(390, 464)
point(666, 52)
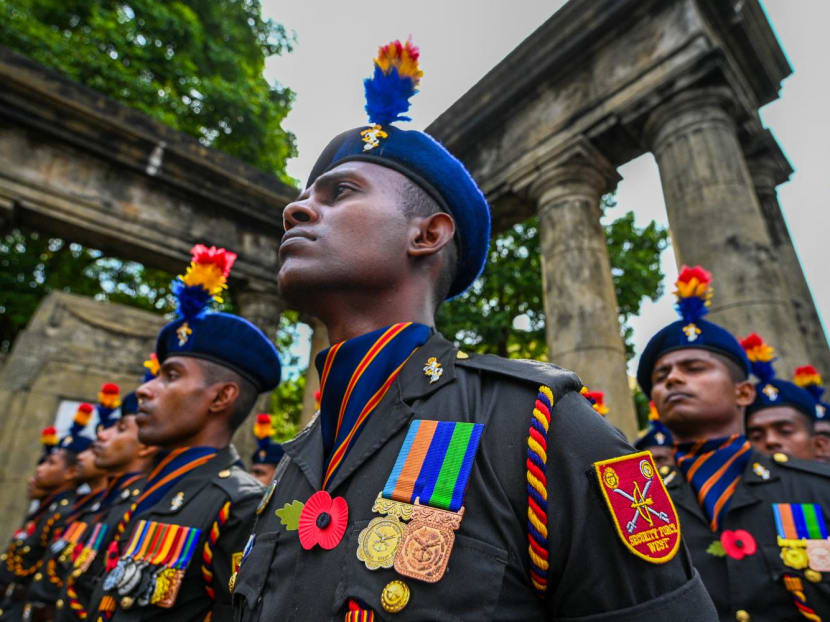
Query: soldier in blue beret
point(268, 453)
point(808, 378)
point(80, 553)
point(436, 484)
point(782, 417)
point(755, 524)
point(182, 536)
point(657, 439)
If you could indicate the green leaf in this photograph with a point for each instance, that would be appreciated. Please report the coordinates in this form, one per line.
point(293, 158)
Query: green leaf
point(289, 514)
point(716, 549)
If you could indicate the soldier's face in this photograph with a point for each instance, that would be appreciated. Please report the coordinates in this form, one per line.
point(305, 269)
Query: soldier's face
point(87, 471)
point(693, 389)
point(117, 446)
point(174, 406)
point(33, 491)
point(781, 429)
point(263, 473)
point(54, 472)
point(346, 232)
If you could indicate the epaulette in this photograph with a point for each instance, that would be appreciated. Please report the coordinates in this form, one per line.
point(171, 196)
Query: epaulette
point(815, 467)
point(237, 483)
point(559, 380)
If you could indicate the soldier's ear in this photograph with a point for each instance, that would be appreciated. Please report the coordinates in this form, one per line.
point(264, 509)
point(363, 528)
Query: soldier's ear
point(744, 393)
point(225, 397)
point(822, 446)
point(429, 234)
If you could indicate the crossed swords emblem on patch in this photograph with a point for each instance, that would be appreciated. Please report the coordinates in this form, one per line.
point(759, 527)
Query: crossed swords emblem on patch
point(641, 503)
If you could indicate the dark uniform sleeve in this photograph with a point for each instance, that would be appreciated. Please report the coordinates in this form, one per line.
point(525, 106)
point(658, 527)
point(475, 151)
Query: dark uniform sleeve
point(227, 552)
point(593, 575)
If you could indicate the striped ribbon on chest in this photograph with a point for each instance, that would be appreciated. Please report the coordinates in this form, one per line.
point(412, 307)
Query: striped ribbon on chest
point(799, 521)
point(354, 377)
point(434, 464)
point(713, 469)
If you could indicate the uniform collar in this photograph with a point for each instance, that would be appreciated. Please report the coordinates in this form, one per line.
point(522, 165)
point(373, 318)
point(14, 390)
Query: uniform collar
point(413, 383)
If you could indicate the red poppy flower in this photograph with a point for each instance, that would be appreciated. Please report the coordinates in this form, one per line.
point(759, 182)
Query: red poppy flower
point(738, 544)
point(323, 521)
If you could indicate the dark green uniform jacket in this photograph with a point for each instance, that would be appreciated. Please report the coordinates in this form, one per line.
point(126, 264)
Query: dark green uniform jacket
point(592, 577)
point(753, 584)
point(25, 559)
point(196, 501)
point(71, 606)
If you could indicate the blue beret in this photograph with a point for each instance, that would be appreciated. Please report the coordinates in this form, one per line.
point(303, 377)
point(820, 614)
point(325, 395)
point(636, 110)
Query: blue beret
point(270, 453)
point(129, 405)
point(655, 435)
point(776, 392)
point(76, 443)
point(429, 165)
point(681, 335)
point(229, 340)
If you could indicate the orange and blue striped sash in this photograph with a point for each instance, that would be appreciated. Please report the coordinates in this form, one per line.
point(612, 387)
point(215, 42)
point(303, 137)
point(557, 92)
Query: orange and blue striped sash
point(354, 377)
point(713, 469)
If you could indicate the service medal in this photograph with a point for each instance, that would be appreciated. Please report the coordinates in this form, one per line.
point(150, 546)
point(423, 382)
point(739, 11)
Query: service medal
point(378, 543)
point(129, 585)
point(169, 598)
point(427, 542)
point(114, 576)
point(818, 555)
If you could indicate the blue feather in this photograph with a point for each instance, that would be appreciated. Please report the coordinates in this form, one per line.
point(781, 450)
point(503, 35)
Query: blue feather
point(691, 309)
point(193, 300)
point(387, 96)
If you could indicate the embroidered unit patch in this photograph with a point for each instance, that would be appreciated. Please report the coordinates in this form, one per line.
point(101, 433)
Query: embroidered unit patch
point(643, 513)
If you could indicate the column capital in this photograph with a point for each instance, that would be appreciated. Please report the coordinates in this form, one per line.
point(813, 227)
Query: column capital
point(576, 168)
point(767, 163)
point(688, 109)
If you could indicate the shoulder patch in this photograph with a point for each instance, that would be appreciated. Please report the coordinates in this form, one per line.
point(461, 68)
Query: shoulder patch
point(535, 372)
point(642, 511)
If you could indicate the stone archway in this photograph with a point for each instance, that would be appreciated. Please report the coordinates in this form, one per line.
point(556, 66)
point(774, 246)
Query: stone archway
point(599, 84)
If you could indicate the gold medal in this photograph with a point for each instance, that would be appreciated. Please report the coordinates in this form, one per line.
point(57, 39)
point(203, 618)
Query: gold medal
point(391, 507)
point(378, 542)
point(427, 542)
point(794, 557)
point(169, 598)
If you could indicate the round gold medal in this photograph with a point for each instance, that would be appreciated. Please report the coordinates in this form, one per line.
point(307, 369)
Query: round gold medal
point(378, 542)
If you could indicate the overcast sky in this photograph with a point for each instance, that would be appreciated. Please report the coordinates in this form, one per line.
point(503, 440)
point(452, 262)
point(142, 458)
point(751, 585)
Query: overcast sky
point(461, 40)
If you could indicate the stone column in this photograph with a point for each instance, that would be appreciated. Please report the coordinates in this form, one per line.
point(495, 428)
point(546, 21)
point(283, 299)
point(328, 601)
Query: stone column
point(319, 342)
point(582, 324)
point(769, 168)
point(716, 221)
point(263, 308)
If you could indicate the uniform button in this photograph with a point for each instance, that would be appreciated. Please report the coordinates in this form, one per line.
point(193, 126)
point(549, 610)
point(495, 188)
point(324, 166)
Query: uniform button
point(225, 474)
point(742, 615)
point(395, 596)
point(27, 548)
point(779, 457)
point(38, 576)
point(59, 603)
point(812, 575)
point(664, 470)
point(64, 502)
point(461, 355)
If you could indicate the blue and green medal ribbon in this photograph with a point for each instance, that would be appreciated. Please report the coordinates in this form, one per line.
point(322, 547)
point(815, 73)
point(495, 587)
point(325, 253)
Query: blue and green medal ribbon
point(799, 521)
point(434, 464)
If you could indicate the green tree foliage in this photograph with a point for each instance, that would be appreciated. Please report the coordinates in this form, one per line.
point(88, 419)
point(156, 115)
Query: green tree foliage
point(32, 265)
point(195, 65)
point(503, 312)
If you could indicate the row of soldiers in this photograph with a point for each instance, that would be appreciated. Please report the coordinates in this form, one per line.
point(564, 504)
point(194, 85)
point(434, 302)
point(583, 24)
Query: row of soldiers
point(433, 484)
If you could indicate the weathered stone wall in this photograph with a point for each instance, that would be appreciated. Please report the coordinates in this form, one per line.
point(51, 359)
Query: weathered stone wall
point(70, 348)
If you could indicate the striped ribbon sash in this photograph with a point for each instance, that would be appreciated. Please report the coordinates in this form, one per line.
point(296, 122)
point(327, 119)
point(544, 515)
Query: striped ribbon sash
point(434, 464)
point(713, 469)
point(354, 377)
point(799, 521)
